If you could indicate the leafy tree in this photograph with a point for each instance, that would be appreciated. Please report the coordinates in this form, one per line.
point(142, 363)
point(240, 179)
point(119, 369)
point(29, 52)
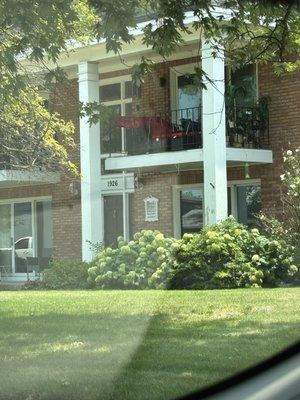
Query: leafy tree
point(33, 35)
point(248, 30)
point(40, 31)
point(291, 189)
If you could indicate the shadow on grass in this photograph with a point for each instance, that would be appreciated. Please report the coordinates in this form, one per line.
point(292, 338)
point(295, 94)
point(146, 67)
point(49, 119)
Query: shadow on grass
point(175, 360)
point(109, 356)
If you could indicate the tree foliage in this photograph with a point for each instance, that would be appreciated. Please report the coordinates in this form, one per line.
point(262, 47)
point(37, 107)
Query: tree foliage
point(34, 34)
point(247, 30)
point(40, 31)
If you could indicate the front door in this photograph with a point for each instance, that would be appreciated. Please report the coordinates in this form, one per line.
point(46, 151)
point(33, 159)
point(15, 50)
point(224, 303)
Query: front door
point(113, 218)
point(23, 235)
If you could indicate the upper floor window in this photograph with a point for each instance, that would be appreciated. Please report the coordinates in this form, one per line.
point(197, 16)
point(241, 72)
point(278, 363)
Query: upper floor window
point(241, 84)
point(116, 95)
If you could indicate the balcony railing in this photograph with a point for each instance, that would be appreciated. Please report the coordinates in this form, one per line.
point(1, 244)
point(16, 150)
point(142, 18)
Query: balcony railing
point(246, 127)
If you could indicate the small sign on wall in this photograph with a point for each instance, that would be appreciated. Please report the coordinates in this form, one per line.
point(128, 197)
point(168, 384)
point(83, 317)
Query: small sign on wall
point(151, 209)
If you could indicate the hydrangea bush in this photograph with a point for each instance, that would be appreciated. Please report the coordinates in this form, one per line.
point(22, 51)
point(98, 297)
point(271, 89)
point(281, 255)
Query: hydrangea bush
point(229, 255)
point(291, 191)
point(144, 262)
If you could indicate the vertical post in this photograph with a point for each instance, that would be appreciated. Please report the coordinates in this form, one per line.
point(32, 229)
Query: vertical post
point(125, 209)
point(92, 224)
point(214, 137)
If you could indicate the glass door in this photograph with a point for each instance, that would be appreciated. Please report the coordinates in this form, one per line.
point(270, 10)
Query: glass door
point(6, 243)
point(23, 236)
point(25, 231)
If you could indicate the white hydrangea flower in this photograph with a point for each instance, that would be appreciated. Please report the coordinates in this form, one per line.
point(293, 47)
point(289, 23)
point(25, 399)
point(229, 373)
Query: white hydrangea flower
point(289, 153)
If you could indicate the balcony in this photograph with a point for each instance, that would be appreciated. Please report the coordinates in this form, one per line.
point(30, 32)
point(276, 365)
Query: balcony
point(247, 127)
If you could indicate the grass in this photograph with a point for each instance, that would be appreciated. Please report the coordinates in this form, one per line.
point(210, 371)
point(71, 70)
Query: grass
point(136, 344)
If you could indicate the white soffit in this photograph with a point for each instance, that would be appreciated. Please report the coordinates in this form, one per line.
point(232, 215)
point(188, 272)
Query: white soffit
point(11, 178)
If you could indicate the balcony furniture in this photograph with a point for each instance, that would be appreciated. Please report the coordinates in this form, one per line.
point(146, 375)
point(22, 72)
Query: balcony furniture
point(32, 265)
point(37, 265)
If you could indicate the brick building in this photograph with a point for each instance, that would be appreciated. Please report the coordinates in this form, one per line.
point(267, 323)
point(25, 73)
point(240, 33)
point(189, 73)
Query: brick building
point(167, 157)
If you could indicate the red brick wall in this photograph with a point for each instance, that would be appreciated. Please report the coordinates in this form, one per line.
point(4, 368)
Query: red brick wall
point(284, 93)
point(284, 106)
point(160, 186)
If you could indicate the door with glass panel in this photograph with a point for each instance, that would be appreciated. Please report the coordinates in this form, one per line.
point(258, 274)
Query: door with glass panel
point(25, 231)
point(6, 242)
point(23, 235)
point(117, 99)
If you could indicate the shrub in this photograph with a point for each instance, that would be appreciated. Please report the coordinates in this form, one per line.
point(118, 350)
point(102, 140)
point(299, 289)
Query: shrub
point(291, 190)
point(66, 275)
point(144, 262)
point(230, 255)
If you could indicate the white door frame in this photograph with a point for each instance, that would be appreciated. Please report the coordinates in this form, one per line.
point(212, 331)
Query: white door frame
point(32, 201)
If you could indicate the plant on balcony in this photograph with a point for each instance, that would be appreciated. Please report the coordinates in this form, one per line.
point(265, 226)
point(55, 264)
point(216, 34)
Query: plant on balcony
point(246, 122)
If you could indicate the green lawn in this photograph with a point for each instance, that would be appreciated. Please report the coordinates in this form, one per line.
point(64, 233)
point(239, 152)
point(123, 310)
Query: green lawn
point(136, 344)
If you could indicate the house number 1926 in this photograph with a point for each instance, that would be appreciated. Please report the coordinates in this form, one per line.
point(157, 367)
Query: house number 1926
point(112, 183)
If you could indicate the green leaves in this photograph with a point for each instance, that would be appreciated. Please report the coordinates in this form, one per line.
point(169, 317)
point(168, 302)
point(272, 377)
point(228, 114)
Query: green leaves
point(31, 137)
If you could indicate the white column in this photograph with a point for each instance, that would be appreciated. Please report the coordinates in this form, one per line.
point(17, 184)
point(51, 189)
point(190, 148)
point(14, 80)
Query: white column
point(92, 224)
point(214, 138)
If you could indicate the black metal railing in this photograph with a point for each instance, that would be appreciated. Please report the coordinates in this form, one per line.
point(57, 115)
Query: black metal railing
point(172, 131)
point(246, 127)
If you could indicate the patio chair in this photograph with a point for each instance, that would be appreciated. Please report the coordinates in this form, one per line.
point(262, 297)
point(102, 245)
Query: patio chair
point(32, 265)
point(37, 265)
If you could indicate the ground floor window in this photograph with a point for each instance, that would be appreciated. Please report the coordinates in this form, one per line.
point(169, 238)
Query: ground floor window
point(191, 210)
point(25, 231)
point(244, 203)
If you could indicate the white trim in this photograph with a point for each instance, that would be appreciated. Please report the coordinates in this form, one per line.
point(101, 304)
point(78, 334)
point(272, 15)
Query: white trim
point(12, 178)
point(115, 79)
point(122, 101)
point(19, 200)
point(185, 157)
point(25, 199)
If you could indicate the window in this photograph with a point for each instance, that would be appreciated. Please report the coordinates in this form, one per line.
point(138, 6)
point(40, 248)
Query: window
point(191, 210)
point(110, 92)
point(117, 97)
point(244, 82)
point(22, 244)
point(248, 203)
point(244, 203)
